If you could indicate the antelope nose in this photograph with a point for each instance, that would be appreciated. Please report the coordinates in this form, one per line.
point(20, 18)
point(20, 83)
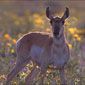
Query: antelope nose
point(55, 33)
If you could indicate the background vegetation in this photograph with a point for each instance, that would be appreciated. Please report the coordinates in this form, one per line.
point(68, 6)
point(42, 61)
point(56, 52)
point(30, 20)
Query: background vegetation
point(20, 17)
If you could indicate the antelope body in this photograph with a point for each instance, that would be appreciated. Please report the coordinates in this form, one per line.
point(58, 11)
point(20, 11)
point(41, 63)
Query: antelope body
point(43, 50)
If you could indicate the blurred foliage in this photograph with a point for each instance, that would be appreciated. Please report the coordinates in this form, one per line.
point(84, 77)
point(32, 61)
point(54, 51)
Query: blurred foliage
point(13, 26)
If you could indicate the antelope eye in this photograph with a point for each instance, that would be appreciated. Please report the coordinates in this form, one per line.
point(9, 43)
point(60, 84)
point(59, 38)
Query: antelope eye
point(51, 21)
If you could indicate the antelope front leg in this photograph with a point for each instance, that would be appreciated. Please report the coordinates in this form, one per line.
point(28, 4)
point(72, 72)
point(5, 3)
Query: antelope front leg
point(31, 76)
point(42, 75)
point(62, 77)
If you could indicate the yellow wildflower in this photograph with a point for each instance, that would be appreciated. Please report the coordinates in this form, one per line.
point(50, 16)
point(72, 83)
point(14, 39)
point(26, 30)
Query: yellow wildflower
point(14, 41)
point(15, 83)
point(48, 30)
point(38, 20)
point(77, 37)
point(9, 44)
point(70, 45)
point(17, 22)
point(72, 30)
point(12, 50)
point(7, 36)
point(2, 77)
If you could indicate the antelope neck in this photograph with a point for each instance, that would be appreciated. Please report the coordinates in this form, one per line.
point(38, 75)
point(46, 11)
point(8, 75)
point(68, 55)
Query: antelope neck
point(58, 37)
point(59, 41)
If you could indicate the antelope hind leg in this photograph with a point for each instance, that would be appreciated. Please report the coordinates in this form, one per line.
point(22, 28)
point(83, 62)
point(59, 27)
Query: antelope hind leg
point(19, 65)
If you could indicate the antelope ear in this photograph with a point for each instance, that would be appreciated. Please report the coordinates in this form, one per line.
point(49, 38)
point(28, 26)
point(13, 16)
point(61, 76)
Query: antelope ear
point(48, 14)
point(66, 14)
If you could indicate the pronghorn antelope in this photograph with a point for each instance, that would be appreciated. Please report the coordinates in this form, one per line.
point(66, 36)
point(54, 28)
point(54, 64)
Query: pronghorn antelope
point(43, 50)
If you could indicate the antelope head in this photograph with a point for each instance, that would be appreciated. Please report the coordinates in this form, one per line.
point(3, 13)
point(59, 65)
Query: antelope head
point(57, 23)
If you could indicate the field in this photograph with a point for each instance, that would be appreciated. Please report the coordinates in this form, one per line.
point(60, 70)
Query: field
point(16, 19)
